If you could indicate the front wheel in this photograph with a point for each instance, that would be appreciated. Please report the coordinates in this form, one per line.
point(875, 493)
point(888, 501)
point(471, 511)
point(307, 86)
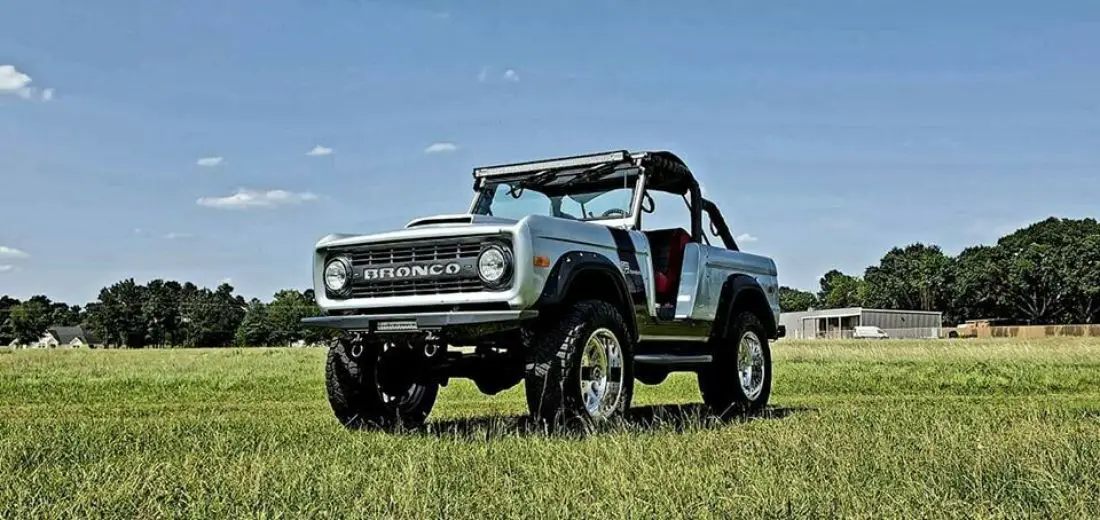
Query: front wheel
point(739, 378)
point(377, 385)
point(580, 366)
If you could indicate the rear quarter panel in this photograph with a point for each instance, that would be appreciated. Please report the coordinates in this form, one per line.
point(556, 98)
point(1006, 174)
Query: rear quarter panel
point(706, 268)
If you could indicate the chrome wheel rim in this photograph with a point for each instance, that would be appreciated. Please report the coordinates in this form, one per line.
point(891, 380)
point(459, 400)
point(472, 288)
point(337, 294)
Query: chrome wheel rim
point(750, 365)
point(601, 377)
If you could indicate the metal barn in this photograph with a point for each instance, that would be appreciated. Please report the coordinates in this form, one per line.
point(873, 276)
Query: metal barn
point(841, 323)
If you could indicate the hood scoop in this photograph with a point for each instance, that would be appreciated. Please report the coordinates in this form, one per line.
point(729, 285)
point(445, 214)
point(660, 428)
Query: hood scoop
point(456, 220)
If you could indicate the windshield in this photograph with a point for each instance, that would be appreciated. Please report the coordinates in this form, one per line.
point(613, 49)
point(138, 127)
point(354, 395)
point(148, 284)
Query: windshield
point(512, 200)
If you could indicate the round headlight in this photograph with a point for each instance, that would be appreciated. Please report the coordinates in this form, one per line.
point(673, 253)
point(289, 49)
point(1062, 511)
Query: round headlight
point(336, 275)
point(493, 265)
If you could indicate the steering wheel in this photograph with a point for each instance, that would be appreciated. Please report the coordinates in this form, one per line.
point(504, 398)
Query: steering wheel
point(614, 211)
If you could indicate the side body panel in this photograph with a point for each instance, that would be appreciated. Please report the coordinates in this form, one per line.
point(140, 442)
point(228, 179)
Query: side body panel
point(627, 251)
point(706, 270)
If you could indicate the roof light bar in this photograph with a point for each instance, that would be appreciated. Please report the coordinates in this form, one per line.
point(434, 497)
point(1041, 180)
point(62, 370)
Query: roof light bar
point(553, 164)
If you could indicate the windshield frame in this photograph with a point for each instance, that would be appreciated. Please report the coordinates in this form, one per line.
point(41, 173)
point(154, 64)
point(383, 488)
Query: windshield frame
point(487, 189)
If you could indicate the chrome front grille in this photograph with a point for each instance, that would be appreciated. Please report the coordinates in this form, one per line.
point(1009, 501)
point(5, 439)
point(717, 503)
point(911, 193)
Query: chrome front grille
point(415, 288)
point(397, 255)
point(414, 252)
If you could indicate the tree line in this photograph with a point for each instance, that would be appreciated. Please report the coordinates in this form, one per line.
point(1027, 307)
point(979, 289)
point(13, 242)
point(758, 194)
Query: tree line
point(1045, 273)
point(168, 313)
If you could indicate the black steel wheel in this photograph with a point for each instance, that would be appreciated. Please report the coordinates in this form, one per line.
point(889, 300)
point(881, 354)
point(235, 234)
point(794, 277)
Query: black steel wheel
point(375, 384)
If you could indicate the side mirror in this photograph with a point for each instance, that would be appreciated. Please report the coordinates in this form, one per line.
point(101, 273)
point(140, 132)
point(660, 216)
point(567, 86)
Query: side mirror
point(646, 197)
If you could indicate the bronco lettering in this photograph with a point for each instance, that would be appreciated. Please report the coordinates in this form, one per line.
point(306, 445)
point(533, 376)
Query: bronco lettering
point(406, 271)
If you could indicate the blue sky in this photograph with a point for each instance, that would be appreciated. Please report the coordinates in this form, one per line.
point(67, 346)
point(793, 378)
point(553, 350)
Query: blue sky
point(829, 131)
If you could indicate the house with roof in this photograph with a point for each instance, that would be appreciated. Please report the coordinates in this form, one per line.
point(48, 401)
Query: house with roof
point(68, 337)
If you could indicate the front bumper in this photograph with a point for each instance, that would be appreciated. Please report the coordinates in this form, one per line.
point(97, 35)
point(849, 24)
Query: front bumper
point(387, 323)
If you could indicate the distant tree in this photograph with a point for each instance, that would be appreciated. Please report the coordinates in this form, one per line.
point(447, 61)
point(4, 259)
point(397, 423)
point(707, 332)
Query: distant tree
point(6, 333)
point(1035, 288)
point(1055, 232)
point(828, 280)
point(212, 317)
point(255, 329)
point(117, 316)
point(160, 310)
point(978, 277)
point(1082, 266)
point(840, 290)
point(1047, 272)
point(916, 277)
point(30, 319)
point(285, 314)
point(65, 315)
point(1047, 269)
point(794, 300)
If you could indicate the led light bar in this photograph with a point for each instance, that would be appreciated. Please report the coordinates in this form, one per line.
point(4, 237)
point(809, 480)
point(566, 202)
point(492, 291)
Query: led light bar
point(553, 164)
point(396, 326)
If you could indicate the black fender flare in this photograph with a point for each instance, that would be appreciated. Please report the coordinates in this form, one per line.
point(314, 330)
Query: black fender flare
point(742, 292)
point(575, 263)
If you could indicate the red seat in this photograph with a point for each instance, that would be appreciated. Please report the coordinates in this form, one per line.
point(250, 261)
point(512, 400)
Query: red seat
point(667, 246)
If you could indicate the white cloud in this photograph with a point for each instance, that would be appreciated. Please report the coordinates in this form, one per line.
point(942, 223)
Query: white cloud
point(745, 237)
point(209, 161)
point(6, 268)
point(11, 252)
point(486, 74)
point(441, 148)
point(227, 280)
point(176, 236)
point(47, 94)
point(14, 82)
point(250, 199)
point(318, 151)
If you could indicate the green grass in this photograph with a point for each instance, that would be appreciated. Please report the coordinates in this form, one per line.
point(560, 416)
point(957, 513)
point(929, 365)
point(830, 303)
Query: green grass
point(895, 429)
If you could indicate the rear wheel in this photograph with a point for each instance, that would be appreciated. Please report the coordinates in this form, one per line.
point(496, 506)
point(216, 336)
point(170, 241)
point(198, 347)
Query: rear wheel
point(581, 366)
point(739, 378)
point(376, 384)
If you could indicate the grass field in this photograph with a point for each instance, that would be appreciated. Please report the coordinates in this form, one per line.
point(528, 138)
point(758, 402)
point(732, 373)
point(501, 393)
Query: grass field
point(874, 429)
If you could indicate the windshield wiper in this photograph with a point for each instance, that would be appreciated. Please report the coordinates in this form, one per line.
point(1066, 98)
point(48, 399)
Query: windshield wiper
point(586, 175)
point(537, 179)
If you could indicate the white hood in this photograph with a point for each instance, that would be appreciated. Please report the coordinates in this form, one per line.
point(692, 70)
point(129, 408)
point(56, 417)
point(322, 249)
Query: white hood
point(439, 226)
point(464, 219)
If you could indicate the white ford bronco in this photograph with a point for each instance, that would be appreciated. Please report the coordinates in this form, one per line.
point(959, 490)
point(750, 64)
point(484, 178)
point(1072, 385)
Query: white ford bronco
point(552, 278)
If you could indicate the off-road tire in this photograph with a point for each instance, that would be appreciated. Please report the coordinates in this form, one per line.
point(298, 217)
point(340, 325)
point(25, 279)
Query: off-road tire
point(553, 363)
point(352, 387)
point(719, 381)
